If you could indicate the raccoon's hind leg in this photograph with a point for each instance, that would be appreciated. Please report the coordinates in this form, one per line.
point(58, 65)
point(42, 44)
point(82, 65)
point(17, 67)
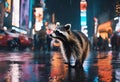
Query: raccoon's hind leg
point(85, 53)
point(83, 56)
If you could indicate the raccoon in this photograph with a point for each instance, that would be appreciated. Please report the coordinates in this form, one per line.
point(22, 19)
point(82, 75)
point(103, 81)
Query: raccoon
point(73, 44)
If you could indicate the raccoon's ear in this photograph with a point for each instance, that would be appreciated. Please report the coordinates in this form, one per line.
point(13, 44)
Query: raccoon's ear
point(67, 26)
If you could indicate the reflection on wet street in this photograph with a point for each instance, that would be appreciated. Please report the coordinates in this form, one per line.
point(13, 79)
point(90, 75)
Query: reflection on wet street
point(50, 67)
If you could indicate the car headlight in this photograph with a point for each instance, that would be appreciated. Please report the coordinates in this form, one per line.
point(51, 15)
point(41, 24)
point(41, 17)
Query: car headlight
point(1, 37)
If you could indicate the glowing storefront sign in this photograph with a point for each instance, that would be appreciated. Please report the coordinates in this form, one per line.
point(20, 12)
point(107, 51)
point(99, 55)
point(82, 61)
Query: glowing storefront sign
point(38, 18)
point(15, 13)
point(83, 6)
point(8, 5)
point(24, 14)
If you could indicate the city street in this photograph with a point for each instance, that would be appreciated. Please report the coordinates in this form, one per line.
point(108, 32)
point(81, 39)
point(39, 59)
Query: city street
point(26, 29)
point(49, 67)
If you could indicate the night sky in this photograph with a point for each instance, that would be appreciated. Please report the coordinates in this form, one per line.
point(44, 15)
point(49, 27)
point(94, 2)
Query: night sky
point(67, 11)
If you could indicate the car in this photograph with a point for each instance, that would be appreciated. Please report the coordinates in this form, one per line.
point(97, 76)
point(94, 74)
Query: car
point(22, 40)
point(25, 41)
point(12, 39)
point(7, 39)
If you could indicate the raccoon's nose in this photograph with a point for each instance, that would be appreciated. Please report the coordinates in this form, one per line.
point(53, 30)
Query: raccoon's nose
point(50, 35)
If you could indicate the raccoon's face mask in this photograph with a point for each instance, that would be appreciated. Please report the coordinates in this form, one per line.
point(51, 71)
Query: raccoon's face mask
point(61, 32)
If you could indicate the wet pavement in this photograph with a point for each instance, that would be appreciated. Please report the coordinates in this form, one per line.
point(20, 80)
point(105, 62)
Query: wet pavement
point(29, 66)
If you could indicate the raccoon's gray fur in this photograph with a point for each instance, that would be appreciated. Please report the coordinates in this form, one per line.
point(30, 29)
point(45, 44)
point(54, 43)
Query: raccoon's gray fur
point(72, 43)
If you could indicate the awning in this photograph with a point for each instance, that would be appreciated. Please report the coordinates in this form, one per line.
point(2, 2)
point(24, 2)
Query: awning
point(105, 27)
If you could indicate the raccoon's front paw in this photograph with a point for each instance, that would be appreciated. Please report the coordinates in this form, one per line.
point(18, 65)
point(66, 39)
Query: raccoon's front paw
point(75, 64)
point(72, 61)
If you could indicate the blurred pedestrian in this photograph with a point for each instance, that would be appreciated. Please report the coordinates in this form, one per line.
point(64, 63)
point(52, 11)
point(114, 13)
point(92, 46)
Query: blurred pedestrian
point(39, 32)
point(49, 30)
point(100, 43)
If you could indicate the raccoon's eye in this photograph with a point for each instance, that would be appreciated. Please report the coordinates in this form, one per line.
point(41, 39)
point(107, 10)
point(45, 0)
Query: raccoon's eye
point(56, 32)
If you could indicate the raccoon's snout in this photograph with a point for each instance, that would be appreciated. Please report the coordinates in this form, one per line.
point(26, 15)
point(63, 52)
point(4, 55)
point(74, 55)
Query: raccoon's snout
point(53, 35)
point(50, 35)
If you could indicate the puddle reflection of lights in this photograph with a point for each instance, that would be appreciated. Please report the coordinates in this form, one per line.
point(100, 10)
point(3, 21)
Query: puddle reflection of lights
point(86, 67)
point(117, 74)
point(15, 73)
point(14, 58)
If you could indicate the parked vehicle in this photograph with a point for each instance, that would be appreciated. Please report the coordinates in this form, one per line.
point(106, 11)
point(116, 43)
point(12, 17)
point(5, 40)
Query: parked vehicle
point(7, 39)
point(24, 41)
point(14, 40)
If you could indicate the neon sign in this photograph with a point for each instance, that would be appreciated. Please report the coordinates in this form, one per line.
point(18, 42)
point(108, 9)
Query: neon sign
point(83, 18)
